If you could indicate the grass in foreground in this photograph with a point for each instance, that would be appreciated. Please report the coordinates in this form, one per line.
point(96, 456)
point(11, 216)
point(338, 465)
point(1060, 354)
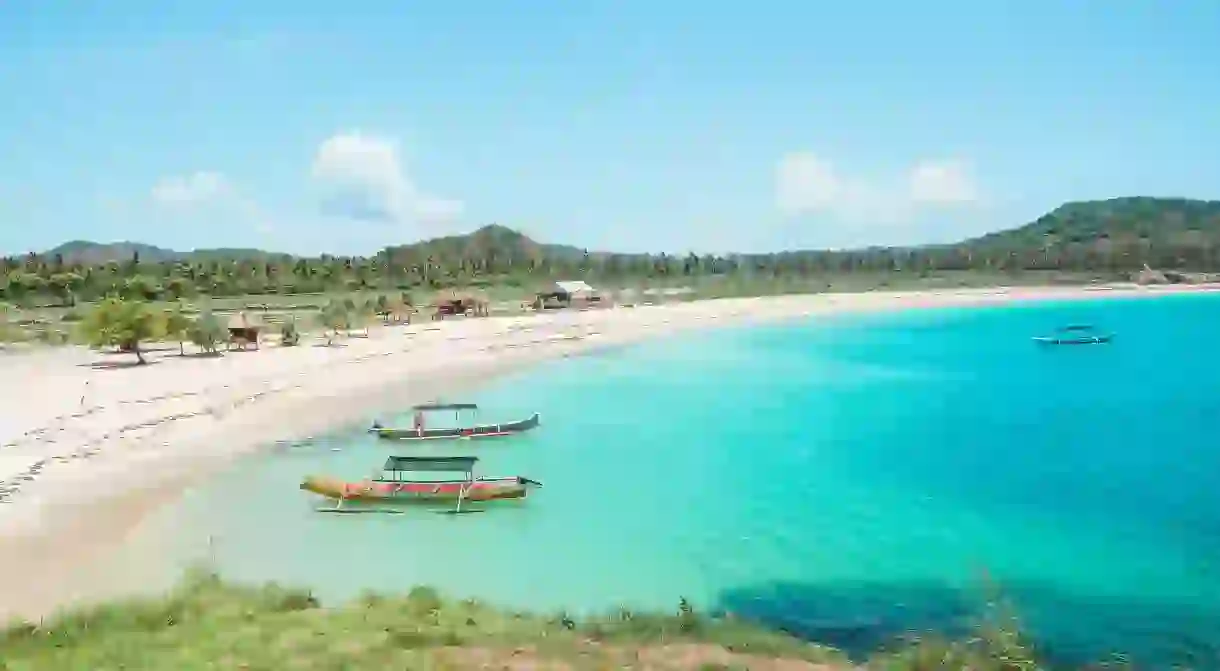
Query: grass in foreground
point(207, 623)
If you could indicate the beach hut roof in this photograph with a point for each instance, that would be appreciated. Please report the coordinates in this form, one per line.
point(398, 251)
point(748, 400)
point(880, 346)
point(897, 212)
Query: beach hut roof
point(574, 287)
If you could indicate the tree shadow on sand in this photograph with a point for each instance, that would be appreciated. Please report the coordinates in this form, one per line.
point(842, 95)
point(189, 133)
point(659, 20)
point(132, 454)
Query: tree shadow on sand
point(1067, 630)
point(202, 355)
point(158, 348)
point(116, 364)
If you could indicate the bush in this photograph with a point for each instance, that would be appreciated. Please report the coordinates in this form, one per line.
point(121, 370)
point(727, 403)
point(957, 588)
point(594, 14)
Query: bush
point(207, 332)
point(289, 335)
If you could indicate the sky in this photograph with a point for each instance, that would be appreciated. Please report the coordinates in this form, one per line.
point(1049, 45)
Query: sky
point(622, 125)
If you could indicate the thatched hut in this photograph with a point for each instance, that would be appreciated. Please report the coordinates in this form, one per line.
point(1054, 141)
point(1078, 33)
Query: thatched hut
point(573, 293)
point(245, 329)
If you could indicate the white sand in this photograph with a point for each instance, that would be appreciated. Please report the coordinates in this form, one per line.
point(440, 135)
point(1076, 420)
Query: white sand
point(85, 452)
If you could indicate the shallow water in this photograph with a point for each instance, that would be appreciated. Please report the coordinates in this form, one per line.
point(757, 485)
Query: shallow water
point(846, 479)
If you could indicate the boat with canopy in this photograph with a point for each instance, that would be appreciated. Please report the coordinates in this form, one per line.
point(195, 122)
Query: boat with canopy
point(399, 484)
point(1075, 334)
point(464, 429)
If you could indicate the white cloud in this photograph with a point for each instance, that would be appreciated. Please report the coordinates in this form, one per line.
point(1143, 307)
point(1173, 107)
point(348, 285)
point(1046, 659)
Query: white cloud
point(362, 177)
point(197, 187)
point(210, 193)
point(806, 183)
point(946, 182)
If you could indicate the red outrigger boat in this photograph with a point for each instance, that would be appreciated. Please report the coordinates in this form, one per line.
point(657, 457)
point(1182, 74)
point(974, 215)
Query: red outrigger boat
point(394, 487)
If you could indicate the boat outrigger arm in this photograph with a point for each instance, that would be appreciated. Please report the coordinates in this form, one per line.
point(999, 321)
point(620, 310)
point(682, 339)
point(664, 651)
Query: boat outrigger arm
point(395, 467)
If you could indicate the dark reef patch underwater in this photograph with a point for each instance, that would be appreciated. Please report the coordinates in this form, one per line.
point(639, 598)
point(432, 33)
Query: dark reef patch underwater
point(1066, 631)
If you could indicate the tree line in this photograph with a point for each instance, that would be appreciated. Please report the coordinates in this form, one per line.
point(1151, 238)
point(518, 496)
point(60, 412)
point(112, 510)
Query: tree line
point(35, 278)
point(1104, 238)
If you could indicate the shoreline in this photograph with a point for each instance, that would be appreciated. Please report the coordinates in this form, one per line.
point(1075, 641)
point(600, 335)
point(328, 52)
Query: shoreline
point(139, 437)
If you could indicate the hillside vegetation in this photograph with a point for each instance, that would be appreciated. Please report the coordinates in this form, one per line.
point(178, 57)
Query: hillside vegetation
point(1102, 239)
point(209, 624)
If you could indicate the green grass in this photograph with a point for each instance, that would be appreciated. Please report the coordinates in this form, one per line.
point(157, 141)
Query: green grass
point(209, 624)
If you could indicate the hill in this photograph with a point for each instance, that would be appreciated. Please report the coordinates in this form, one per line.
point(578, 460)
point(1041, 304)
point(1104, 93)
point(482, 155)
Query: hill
point(89, 253)
point(489, 241)
point(1153, 220)
point(1143, 220)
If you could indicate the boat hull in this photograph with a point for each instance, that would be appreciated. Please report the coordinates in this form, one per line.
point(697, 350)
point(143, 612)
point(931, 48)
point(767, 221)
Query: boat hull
point(480, 431)
point(1086, 340)
point(387, 492)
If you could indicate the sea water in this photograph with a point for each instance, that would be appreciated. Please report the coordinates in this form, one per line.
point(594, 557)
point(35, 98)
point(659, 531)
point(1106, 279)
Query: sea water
point(845, 478)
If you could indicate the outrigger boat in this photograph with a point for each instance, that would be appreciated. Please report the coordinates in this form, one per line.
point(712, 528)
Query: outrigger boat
point(421, 432)
point(1075, 334)
point(395, 486)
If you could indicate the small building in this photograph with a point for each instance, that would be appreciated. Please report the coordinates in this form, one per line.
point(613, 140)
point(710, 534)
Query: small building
point(573, 293)
point(245, 329)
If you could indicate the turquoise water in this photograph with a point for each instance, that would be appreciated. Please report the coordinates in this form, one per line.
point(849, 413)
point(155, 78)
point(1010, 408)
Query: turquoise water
point(846, 479)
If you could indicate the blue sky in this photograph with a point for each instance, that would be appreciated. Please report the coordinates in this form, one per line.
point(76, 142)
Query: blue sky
point(306, 126)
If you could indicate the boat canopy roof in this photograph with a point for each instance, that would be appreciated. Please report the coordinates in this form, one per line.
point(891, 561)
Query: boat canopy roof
point(431, 464)
point(446, 406)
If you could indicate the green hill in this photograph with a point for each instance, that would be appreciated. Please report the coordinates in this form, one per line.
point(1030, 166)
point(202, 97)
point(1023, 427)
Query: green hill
point(487, 242)
point(1156, 221)
point(1151, 222)
point(89, 253)
point(86, 252)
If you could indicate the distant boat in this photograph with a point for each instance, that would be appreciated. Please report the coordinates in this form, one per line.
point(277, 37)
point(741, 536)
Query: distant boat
point(1075, 334)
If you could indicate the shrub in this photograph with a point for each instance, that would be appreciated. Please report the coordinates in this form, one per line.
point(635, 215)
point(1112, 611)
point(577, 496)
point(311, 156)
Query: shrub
point(207, 332)
point(289, 335)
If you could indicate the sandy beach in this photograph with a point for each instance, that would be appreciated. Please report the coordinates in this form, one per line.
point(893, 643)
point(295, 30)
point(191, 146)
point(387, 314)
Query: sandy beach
point(89, 444)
